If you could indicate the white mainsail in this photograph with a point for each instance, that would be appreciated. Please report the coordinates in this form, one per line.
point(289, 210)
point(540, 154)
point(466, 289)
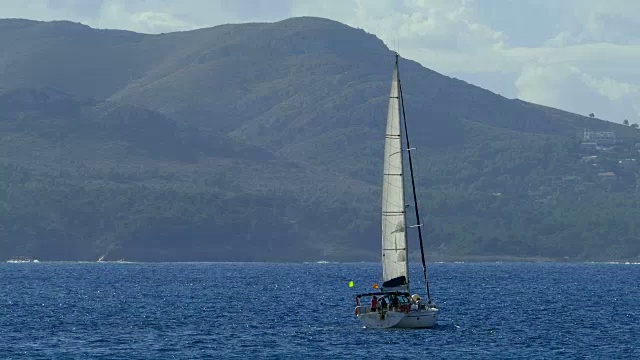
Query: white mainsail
point(394, 238)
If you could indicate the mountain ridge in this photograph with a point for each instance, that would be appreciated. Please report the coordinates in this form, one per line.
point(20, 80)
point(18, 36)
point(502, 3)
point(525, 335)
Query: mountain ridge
point(263, 142)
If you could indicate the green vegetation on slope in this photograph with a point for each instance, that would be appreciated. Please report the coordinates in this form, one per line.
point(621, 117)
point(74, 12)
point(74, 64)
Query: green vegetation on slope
point(264, 142)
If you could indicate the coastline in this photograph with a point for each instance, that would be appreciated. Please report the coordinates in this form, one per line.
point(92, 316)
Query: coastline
point(330, 260)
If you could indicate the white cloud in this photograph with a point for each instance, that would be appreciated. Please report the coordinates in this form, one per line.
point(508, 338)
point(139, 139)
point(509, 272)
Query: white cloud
point(613, 21)
point(567, 87)
point(155, 22)
point(116, 14)
point(435, 24)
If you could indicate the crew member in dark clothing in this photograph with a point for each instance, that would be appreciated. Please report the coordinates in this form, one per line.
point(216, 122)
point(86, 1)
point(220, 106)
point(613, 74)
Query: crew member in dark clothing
point(394, 302)
point(383, 304)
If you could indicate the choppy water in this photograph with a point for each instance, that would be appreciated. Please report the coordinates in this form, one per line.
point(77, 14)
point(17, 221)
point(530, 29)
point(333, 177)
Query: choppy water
point(299, 311)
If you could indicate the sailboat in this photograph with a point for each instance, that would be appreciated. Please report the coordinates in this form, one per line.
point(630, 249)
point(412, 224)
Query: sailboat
point(393, 306)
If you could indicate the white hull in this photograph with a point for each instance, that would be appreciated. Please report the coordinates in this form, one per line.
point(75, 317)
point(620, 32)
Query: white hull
point(415, 319)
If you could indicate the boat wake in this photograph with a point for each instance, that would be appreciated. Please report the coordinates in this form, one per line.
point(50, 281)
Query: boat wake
point(22, 259)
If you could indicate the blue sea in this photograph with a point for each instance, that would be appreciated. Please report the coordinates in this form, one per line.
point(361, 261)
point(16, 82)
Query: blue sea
point(306, 311)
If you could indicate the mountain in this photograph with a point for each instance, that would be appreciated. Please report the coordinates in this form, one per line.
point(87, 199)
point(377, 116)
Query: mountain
point(264, 142)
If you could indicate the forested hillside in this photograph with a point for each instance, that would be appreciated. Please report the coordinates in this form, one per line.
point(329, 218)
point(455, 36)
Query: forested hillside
point(264, 142)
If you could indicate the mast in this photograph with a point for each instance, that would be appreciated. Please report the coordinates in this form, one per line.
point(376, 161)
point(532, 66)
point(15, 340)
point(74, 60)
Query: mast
point(413, 183)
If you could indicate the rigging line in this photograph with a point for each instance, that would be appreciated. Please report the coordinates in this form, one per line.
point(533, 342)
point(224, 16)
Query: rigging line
point(413, 184)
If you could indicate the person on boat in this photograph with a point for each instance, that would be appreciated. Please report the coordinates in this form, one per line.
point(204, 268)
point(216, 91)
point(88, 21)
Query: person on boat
point(383, 304)
point(394, 302)
point(416, 303)
point(374, 303)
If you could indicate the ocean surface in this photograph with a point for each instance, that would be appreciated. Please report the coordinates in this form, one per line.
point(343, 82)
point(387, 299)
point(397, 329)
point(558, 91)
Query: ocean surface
point(306, 311)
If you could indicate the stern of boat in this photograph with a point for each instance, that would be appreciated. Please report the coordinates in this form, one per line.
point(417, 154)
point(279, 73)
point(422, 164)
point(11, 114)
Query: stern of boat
point(379, 319)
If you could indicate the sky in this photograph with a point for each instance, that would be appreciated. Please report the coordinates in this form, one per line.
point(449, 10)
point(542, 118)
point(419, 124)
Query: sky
point(577, 55)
